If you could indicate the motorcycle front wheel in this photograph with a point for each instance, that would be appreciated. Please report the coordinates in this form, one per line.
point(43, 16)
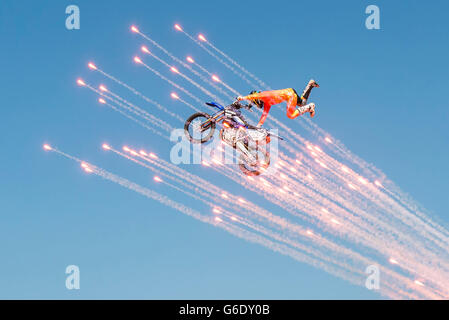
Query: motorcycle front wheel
point(199, 127)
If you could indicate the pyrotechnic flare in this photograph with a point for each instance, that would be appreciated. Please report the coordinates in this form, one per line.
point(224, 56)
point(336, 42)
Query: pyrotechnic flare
point(392, 261)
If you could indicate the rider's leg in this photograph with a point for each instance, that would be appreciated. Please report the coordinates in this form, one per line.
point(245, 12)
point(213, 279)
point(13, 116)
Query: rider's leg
point(292, 112)
point(306, 93)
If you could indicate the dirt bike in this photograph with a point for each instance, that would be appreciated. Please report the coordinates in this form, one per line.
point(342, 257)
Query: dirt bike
point(249, 140)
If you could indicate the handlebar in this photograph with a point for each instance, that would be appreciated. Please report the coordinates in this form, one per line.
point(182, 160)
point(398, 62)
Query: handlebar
point(239, 105)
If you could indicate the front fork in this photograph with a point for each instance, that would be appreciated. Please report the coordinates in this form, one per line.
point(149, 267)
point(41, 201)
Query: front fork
point(216, 118)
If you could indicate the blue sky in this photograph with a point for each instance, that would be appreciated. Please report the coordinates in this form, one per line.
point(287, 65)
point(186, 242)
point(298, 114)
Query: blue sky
point(383, 93)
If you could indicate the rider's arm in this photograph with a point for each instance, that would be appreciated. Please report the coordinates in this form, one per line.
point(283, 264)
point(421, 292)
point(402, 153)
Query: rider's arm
point(264, 116)
point(251, 97)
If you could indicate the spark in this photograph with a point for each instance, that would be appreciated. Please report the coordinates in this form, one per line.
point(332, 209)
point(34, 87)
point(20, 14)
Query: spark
point(178, 27)
point(363, 181)
point(137, 59)
point(152, 155)
point(224, 195)
point(215, 78)
point(134, 29)
point(327, 139)
point(335, 221)
point(143, 153)
point(351, 186)
point(145, 49)
point(216, 210)
point(218, 219)
point(173, 69)
point(202, 37)
point(392, 261)
point(190, 59)
point(103, 88)
point(377, 183)
point(47, 147)
point(88, 170)
point(125, 148)
point(345, 169)
point(242, 200)
point(419, 283)
point(157, 179)
point(92, 66)
point(101, 100)
point(174, 95)
point(309, 232)
point(106, 146)
point(233, 218)
point(80, 82)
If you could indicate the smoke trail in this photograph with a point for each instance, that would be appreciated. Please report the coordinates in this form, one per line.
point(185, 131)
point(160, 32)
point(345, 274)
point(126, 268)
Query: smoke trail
point(133, 90)
point(137, 121)
point(235, 230)
point(238, 66)
point(140, 112)
point(187, 66)
point(133, 109)
point(171, 82)
point(176, 97)
point(240, 75)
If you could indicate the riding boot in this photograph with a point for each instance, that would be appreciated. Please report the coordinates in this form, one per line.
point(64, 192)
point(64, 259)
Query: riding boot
point(307, 108)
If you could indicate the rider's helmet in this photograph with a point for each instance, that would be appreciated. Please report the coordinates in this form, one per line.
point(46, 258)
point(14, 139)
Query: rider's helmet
point(259, 103)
